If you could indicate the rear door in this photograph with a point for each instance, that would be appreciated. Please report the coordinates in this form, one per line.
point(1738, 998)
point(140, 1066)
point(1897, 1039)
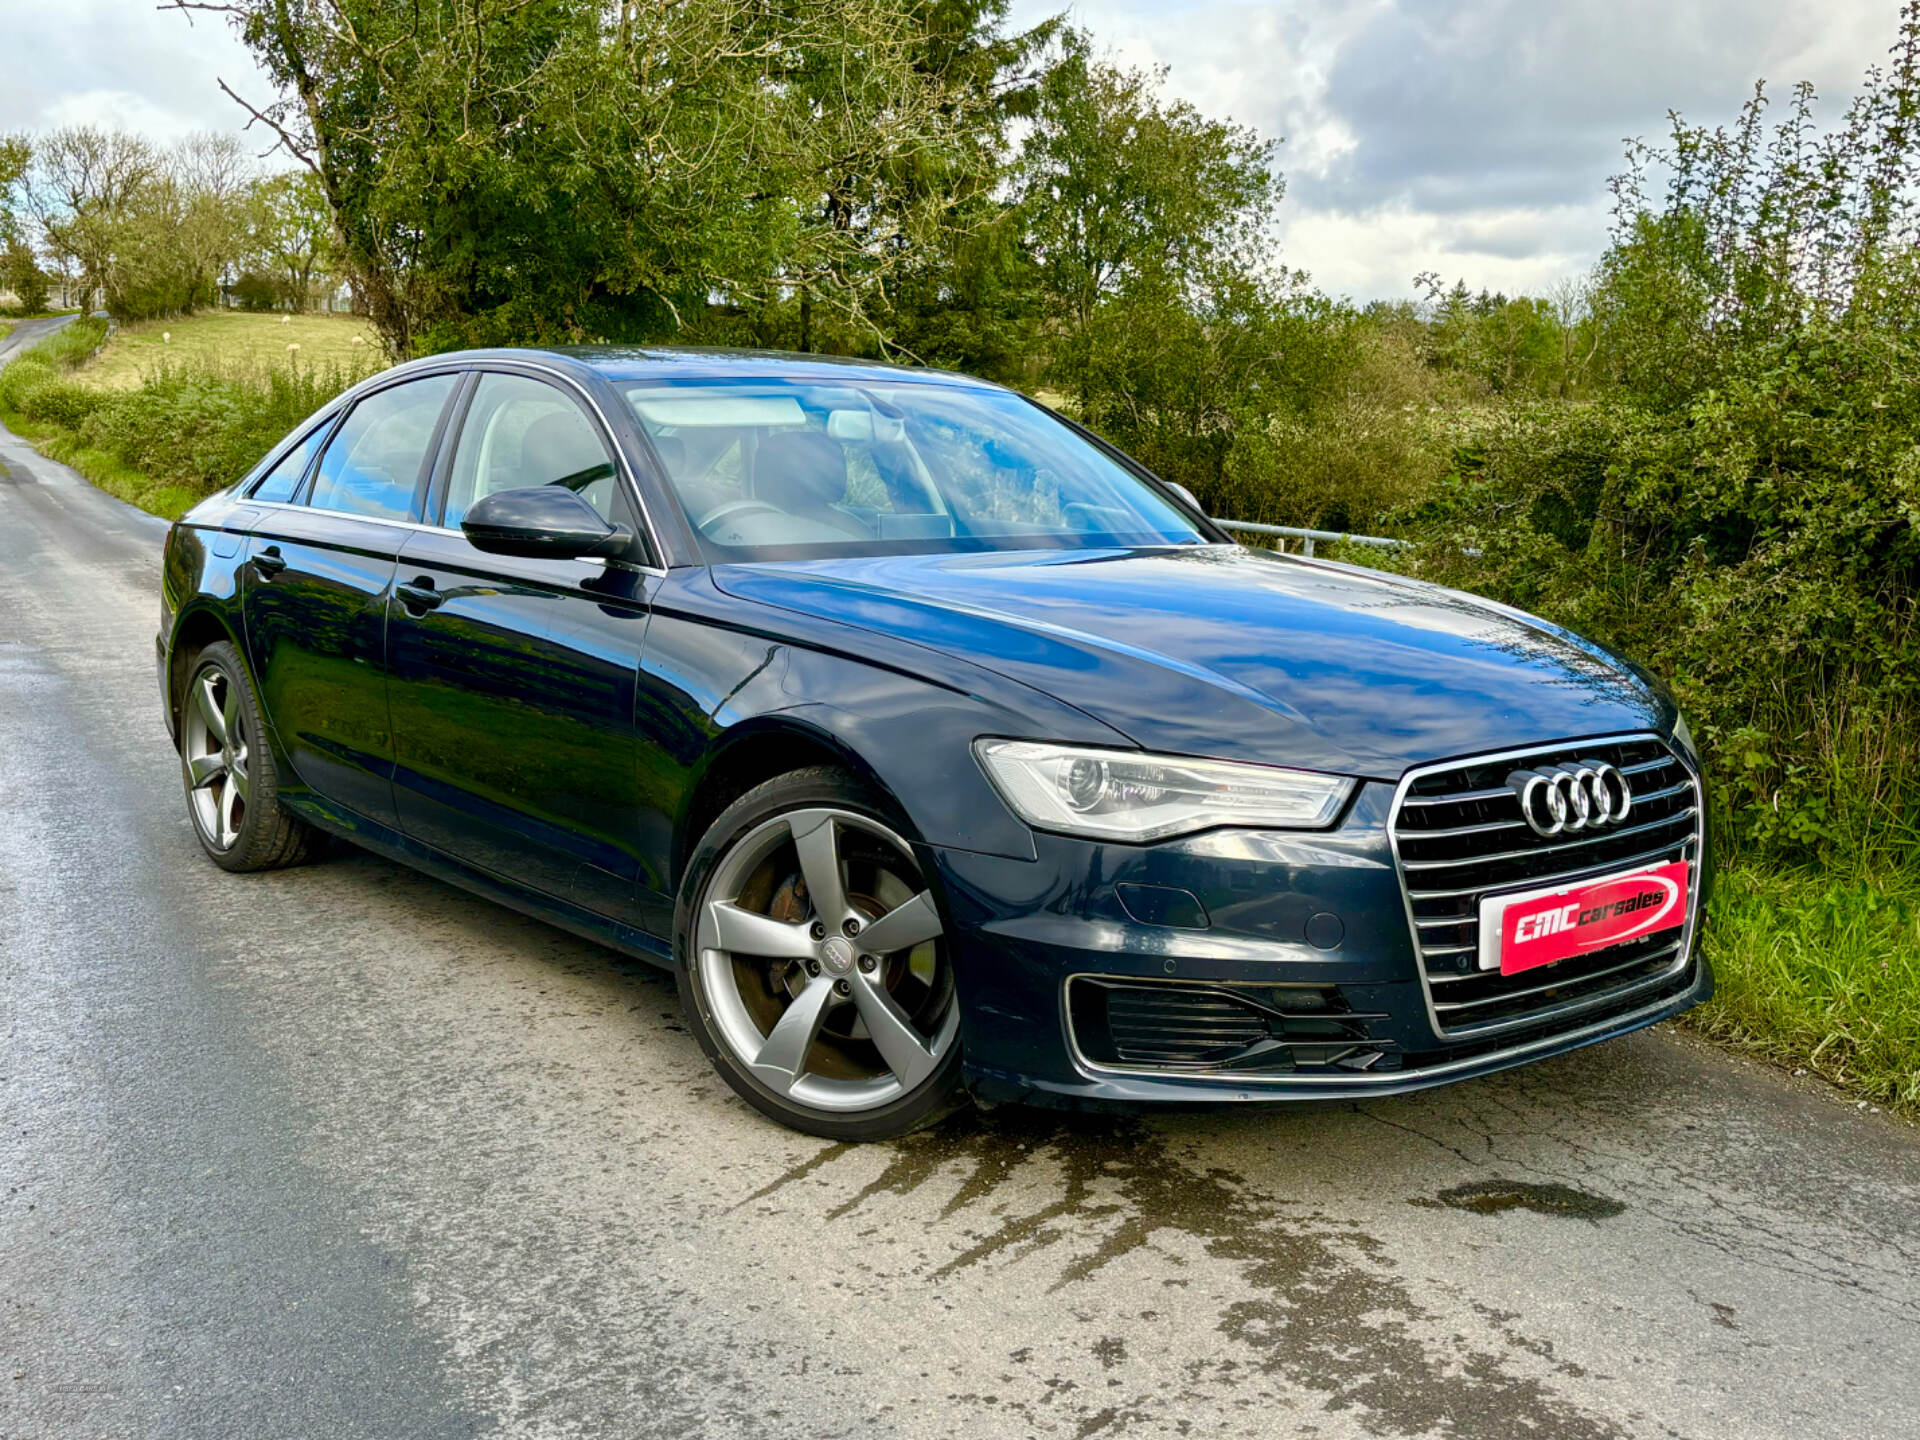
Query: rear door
point(319, 570)
point(513, 680)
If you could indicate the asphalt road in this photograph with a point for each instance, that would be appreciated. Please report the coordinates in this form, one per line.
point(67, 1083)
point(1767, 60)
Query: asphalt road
point(344, 1152)
point(26, 333)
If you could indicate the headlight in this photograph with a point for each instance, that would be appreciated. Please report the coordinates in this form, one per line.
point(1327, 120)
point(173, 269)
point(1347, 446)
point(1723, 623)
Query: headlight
point(1124, 795)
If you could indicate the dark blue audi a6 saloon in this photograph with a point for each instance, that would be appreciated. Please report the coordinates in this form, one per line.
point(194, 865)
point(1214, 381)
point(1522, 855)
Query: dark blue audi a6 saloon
point(936, 746)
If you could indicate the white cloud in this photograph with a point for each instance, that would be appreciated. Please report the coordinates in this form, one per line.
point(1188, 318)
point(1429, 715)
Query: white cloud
point(1473, 138)
point(1375, 253)
point(122, 61)
point(119, 110)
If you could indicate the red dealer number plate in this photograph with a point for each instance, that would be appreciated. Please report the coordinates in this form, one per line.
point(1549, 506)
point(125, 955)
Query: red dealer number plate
point(1520, 932)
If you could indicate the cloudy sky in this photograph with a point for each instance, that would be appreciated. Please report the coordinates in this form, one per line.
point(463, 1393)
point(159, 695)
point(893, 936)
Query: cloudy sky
point(1472, 137)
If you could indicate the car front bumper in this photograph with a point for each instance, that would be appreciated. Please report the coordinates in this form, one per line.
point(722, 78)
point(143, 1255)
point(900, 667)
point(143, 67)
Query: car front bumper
point(1283, 921)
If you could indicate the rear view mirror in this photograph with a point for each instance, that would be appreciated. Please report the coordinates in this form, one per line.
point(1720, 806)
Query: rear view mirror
point(542, 522)
point(864, 427)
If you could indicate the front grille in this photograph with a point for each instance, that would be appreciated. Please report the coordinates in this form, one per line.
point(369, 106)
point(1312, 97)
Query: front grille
point(1249, 1029)
point(1459, 836)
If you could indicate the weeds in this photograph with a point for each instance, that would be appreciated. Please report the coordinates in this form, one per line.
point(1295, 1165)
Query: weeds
point(1820, 971)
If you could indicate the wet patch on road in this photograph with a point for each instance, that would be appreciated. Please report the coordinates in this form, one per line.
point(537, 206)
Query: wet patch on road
point(1318, 1304)
point(1493, 1197)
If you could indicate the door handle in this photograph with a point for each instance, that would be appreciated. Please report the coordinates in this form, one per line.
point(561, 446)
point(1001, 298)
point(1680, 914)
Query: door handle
point(419, 596)
point(269, 562)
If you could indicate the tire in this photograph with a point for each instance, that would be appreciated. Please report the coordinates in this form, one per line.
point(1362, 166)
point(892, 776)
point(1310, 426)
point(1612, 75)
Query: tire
point(811, 1028)
point(233, 790)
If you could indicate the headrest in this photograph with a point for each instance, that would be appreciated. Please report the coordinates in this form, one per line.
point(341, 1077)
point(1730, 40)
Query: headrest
point(801, 471)
point(558, 445)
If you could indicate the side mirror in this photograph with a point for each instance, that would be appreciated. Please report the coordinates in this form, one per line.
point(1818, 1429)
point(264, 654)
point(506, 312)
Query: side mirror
point(542, 522)
point(1187, 495)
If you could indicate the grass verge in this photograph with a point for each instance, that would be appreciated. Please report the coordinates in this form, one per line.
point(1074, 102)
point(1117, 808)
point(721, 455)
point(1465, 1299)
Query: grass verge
point(1821, 972)
point(109, 472)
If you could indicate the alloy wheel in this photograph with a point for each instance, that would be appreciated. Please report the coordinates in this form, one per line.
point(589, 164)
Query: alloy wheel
point(215, 750)
point(822, 956)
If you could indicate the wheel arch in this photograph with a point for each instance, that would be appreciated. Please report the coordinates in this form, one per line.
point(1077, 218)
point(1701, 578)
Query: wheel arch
point(196, 628)
point(750, 754)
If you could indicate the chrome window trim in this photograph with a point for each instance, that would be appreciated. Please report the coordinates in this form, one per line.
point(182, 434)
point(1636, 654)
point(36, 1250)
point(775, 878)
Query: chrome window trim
point(413, 525)
point(1362, 1079)
point(1683, 957)
point(499, 365)
point(346, 515)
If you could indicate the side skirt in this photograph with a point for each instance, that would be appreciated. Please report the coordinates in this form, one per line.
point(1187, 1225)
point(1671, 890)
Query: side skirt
point(370, 835)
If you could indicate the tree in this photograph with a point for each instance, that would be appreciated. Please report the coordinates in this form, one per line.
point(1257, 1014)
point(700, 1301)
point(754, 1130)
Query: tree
point(152, 231)
point(289, 236)
point(570, 169)
point(20, 270)
point(1169, 325)
point(82, 191)
point(213, 178)
point(1121, 186)
point(913, 214)
point(16, 159)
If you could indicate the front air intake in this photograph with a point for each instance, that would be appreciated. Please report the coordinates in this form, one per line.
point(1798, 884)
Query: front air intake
point(1187, 1028)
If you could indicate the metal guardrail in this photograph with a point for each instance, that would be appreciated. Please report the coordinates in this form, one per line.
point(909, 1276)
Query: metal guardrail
point(1308, 537)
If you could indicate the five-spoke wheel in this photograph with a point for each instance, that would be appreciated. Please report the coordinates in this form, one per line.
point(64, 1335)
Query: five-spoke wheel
point(233, 791)
point(815, 962)
point(213, 745)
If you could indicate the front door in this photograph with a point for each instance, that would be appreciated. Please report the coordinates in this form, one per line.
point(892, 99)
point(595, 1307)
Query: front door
point(317, 579)
point(513, 680)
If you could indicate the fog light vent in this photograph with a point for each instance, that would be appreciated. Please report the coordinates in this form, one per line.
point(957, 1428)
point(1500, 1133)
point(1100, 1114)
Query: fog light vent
point(1171, 1025)
point(1181, 1027)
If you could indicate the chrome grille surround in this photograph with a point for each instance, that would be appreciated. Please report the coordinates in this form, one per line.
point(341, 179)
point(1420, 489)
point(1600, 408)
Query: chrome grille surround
point(1442, 880)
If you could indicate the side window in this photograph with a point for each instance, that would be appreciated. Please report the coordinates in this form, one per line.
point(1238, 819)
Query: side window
point(373, 462)
point(520, 433)
point(283, 479)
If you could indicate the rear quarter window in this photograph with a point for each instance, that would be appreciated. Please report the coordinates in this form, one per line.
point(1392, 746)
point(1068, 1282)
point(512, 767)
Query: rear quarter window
point(280, 483)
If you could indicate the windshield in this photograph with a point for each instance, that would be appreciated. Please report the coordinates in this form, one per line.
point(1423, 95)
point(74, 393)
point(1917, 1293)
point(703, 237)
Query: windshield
point(774, 470)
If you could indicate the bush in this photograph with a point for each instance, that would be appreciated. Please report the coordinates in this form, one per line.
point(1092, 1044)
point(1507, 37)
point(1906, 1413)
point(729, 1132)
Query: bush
point(1741, 510)
point(53, 400)
point(20, 272)
point(23, 374)
point(34, 384)
point(204, 428)
point(70, 346)
point(1374, 439)
point(256, 293)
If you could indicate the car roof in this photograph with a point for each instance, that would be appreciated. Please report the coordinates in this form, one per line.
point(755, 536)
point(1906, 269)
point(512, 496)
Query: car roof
point(645, 362)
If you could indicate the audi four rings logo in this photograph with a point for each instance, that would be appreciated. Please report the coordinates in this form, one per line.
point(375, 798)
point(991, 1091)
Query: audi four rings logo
point(1560, 799)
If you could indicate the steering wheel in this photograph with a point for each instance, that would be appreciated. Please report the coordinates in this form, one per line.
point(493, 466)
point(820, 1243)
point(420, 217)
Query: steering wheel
point(726, 510)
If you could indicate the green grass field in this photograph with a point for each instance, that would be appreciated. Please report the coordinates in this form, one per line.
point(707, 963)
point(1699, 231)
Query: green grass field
point(230, 340)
